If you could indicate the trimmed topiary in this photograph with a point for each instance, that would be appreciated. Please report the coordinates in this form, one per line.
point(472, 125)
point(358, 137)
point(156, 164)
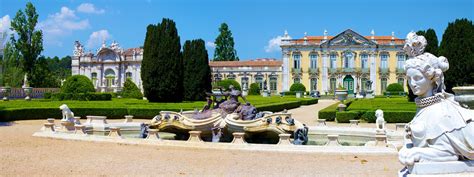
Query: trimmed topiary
point(227, 82)
point(298, 87)
point(254, 89)
point(395, 87)
point(130, 90)
point(77, 84)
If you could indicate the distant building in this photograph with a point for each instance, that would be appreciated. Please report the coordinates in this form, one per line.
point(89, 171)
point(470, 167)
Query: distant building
point(248, 72)
point(109, 67)
point(348, 59)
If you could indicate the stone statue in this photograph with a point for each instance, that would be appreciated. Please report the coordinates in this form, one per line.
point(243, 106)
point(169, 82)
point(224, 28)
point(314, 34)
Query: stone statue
point(368, 85)
point(230, 105)
point(441, 130)
point(25, 81)
point(216, 134)
point(68, 115)
point(265, 85)
point(78, 49)
point(301, 135)
point(380, 121)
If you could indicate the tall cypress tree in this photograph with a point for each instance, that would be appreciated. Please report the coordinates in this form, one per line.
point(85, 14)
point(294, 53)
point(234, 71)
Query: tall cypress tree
point(225, 45)
point(197, 73)
point(161, 70)
point(458, 47)
point(431, 39)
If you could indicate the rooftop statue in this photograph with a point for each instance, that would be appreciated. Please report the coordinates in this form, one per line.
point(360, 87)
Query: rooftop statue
point(441, 130)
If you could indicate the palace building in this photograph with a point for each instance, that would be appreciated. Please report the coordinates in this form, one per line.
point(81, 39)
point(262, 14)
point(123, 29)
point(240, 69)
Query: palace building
point(251, 71)
point(323, 63)
point(109, 67)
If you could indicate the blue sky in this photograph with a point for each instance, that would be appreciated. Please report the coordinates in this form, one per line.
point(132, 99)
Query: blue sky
point(253, 23)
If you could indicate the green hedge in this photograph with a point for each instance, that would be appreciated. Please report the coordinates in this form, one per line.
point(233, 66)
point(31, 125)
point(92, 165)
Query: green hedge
point(81, 96)
point(294, 93)
point(118, 108)
point(344, 117)
point(395, 87)
point(391, 116)
point(254, 89)
point(298, 87)
point(328, 113)
point(77, 84)
point(227, 82)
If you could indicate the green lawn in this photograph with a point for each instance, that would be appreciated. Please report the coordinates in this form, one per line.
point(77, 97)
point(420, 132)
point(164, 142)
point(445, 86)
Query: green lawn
point(385, 104)
point(117, 108)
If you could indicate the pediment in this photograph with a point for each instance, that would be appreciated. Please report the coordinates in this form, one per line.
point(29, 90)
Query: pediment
point(349, 38)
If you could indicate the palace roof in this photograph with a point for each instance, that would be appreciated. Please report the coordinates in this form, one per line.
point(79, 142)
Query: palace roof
point(249, 63)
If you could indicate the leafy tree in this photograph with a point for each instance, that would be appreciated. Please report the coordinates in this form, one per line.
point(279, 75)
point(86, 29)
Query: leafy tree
point(196, 73)
point(130, 90)
point(254, 89)
point(458, 47)
point(30, 40)
point(12, 72)
point(432, 40)
point(42, 76)
point(297, 87)
point(227, 82)
point(225, 45)
point(77, 84)
point(162, 71)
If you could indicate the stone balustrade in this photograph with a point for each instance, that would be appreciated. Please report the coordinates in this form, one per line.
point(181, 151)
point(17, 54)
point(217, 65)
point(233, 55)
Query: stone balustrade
point(195, 136)
point(284, 139)
point(115, 132)
point(239, 138)
point(333, 140)
point(152, 134)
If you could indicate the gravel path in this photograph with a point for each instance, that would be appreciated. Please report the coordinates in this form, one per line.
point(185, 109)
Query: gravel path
point(24, 155)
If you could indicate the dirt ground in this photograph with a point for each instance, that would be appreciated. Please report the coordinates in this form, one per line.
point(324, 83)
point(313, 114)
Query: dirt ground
point(24, 155)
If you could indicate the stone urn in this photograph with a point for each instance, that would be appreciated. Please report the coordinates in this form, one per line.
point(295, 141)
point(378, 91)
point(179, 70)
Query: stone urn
point(27, 92)
point(341, 94)
point(298, 94)
point(6, 93)
point(266, 93)
point(464, 95)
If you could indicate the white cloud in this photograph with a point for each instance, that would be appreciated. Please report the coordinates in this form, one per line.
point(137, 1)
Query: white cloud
point(273, 44)
point(5, 24)
point(97, 37)
point(210, 44)
point(61, 24)
point(89, 9)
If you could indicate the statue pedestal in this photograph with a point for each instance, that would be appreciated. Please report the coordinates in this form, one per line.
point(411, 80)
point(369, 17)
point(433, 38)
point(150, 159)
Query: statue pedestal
point(266, 94)
point(454, 168)
point(369, 94)
point(245, 92)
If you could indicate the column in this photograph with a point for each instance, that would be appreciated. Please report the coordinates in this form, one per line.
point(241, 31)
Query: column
point(373, 69)
point(286, 69)
point(324, 71)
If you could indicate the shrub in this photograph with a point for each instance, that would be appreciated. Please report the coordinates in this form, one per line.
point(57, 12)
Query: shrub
point(82, 96)
point(77, 84)
point(130, 90)
point(392, 116)
point(309, 102)
point(298, 87)
point(47, 95)
point(328, 113)
point(254, 89)
point(227, 82)
point(395, 87)
point(345, 116)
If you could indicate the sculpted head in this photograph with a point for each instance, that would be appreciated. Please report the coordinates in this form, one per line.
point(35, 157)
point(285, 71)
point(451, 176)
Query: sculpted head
point(425, 75)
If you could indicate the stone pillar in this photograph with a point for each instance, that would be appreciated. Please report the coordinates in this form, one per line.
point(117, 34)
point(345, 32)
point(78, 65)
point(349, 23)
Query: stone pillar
point(195, 136)
point(153, 134)
point(239, 138)
point(381, 139)
point(284, 139)
point(48, 127)
point(128, 118)
point(115, 132)
point(79, 129)
point(324, 72)
point(286, 70)
point(333, 140)
point(373, 70)
point(77, 120)
point(67, 126)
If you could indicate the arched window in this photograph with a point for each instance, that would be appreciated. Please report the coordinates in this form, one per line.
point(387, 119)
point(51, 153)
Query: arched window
point(400, 61)
point(363, 83)
point(109, 77)
point(332, 84)
point(383, 61)
point(128, 75)
point(259, 80)
point(314, 61)
point(383, 84)
point(296, 80)
point(273, 83)
point(401, 80)
point(333, 61)
point(314, 84)
point(297, 61)
point(94, 78)
point(364, 60)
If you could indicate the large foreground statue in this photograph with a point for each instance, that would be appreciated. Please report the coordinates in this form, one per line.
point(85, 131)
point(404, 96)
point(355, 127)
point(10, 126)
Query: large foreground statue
point(441, 130)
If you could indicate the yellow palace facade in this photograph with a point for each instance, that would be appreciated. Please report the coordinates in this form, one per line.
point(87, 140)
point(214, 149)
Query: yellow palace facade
point(322, 63)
